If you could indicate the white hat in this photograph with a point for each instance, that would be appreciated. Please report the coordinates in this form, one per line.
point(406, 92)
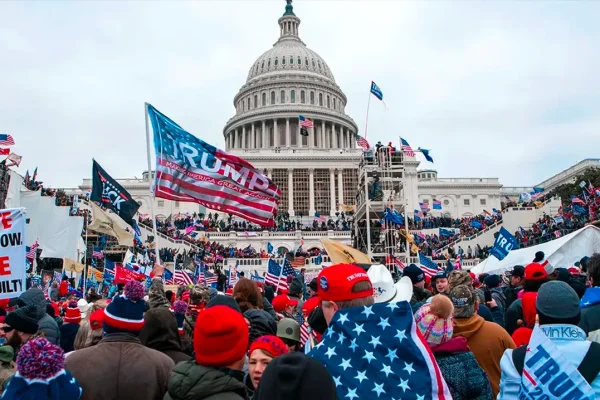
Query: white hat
point(384, 289)
point(83, 307)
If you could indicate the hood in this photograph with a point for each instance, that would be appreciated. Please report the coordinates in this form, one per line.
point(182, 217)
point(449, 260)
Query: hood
point(261, 323)
point(591, 297)
point(529, 309)
point(467, 327)
point(34, 297)
point(160, 330)
point(452, 346)
point(190, 381)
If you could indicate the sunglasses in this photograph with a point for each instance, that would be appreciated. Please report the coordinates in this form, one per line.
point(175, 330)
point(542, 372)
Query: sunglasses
point(7, 329)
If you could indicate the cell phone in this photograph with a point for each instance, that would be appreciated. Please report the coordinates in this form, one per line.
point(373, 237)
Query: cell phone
point(488, 295)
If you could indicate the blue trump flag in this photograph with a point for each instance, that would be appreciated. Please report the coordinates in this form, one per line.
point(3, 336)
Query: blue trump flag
point(505, 242)
point(476, 224)
point(375, 352)
point(446, 232)
point(393, 216)
point(269, 247)
point(426, 154)
point(376, 91)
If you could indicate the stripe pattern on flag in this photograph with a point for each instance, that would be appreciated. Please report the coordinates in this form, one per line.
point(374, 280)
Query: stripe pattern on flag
point(406, 149)
point(6, 140)
point(362, 142)
point(182, 278)
point(428, 267)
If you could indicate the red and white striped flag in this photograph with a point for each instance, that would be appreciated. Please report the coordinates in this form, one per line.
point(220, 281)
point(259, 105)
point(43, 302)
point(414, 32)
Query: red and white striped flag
point(362, 142)
point(304, 335)
point(305, 122)
point(182, 278)
point(6, 140)
point(191, 170)
point(32, 251)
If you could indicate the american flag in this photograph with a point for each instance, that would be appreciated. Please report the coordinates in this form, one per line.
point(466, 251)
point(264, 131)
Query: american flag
point(376, 352)
point(298, 262)
point(406, 149)
point(30, 255)
point(209, 278)
point(362, 142)
point(304, 335)
point(182, 278)
point(211, 178)
point(6, 140)
point(97, 253)
point(398, 262)
point(305, 122)
point(232, 276)
point(458, 262)
point(428, 267)
point(276, 274)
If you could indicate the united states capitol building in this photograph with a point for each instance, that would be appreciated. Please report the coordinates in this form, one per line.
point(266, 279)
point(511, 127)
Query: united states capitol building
point(318, 172)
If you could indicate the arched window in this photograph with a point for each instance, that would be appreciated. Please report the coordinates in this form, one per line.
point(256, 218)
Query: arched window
point(313, 63)
point(243, 105)
point(299, 61)
point(282, 60)
point(276, 61)
point(273, 97)
point(282, 97)
point(306, 61)
point(291, 60)
point(321, 99)
point(263, 65)
point(269, 63)
point(255, 101)
point(312, 98)
point(328, 102)
point(293, 96)
point(302, 97)
point(334, 104)
point(248, 103)
point(319, 64)
point(264, 99)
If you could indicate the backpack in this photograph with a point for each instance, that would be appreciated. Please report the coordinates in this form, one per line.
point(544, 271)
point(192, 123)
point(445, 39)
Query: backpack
point(589, 367)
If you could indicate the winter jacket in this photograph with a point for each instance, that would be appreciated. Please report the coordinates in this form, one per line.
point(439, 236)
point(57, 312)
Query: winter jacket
point(590, 312)
point(464, 377)
point(160, 333)
point(571, 341)
point(268, 307)
point(511, 294)
point(487, 341)
point(498, 296)
point(512, 315)
point(120, 367)
point(46, 324)
point(63, 289)
point(261, 323)
point(67, 336)
point(157, 296)
point(190, 381)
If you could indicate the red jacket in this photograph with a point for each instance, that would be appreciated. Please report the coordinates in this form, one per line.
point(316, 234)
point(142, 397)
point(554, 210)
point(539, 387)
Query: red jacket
point(64, 289)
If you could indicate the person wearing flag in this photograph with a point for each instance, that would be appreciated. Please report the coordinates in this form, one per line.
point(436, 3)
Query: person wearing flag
point(372, 350)
point(559, 362)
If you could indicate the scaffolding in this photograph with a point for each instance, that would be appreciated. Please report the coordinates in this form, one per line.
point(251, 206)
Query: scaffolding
point(381, 187)
point(4, 183)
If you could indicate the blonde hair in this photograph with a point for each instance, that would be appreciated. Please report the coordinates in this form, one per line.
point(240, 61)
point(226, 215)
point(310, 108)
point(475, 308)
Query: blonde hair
point(86, 336)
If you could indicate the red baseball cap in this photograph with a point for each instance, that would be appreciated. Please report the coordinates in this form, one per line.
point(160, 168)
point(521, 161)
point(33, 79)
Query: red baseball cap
point(535, 272)
point(282, 301)
point(335, 283)
point(573, 271)
point(309, 305)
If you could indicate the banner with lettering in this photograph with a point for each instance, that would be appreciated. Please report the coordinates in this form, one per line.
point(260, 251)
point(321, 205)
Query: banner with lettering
point(13, 279)
point(547, 374)
point(505, 242)
point(124, 275)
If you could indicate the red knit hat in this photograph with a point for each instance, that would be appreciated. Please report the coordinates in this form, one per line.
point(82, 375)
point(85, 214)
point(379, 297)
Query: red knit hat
point(97, 319)
point(73, 314)
point(220, 337)
point(335, 283)
point(282, 301)
point(269, 343)
point(535, 272)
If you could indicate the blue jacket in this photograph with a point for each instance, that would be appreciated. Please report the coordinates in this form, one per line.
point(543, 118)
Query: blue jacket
point(573, 348)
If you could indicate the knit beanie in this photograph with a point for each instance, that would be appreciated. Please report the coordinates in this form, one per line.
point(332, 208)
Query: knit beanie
point(492, 281)
point(125, 313)
point(23, 319)
point(435, 321)
point(557, 303)
point(415, 273)
point(222, 300)
point(295, 376)
point(41, 374)
point(73, 313)
point(179, 309)
point(220, 337)
point(97, 319)
point(269, 343)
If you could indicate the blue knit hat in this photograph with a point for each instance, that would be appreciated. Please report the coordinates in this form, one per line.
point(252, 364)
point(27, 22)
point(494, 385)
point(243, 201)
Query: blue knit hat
point(125, 313)
point(41, 374)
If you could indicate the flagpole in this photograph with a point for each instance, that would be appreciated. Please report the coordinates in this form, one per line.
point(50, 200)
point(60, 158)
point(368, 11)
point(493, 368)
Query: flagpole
point(367, 118)
point(368, 210)
point(279, 279)
point(86, 266)
point(150, 180)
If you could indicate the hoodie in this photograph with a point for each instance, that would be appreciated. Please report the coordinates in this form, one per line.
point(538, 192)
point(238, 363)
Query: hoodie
point(590, 313)
point(261, 323)
point(46, 324)
point(190, 381)
point(160, 333)
point(487, 341)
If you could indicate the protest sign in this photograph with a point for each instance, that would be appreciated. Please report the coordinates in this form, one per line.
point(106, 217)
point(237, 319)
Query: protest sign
point(12, 253)
point(124, 275)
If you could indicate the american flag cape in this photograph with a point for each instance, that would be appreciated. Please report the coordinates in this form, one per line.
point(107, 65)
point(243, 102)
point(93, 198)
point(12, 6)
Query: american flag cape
point(428, 267)
point(191, 170)
point(376, 352)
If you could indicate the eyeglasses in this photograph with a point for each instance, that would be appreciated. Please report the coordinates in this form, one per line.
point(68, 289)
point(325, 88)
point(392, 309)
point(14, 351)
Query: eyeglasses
point(7, 329)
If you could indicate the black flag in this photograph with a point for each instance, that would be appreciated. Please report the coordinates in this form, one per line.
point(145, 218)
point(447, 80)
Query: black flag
point(109, 193)
point(303, 131)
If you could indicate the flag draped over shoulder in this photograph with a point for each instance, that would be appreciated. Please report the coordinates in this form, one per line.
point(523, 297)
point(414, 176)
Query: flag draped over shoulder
point(191, 170)
point(375, 352)
point(108, 192)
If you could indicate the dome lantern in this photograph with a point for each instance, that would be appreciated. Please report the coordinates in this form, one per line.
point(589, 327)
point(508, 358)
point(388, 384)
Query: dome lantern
point(288, 23)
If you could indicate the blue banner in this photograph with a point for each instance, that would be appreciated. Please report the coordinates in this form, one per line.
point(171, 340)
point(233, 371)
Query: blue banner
point(446, 232)
point(505, 242)
point(475, 224)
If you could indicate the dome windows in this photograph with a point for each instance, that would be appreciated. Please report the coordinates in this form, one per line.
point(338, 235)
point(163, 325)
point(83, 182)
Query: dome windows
point(291, 60)
point(313, 63)
point(272, 97)
point(321, 99)
point(302, 97)
point(328, 102)
point(299, 61)
point(276, 61)
point(264, 99)
point(306, 61)
point(282, 60)
point(248, 103)
point(293, 96)
point(334, 105)
point(319, 64)
point(263, 65)
point(269, 63)
point(282, 97)
point(255, 101)
point(312, 98)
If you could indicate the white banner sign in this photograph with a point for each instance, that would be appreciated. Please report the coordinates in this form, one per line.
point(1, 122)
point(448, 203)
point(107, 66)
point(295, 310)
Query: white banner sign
point(12, 253)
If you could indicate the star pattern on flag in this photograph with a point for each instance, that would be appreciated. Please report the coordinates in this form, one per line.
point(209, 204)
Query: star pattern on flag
point(375, 352)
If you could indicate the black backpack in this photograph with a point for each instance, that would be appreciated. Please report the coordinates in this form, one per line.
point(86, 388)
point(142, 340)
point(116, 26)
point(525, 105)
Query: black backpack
point(589, 367)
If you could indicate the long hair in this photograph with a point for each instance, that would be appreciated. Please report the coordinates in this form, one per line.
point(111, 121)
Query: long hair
point(247, 294)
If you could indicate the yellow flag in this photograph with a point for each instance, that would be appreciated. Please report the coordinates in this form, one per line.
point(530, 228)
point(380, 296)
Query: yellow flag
point(414, 248)
point(342, 254)
point(409, 237)
point(110, 224)
point(72, 266)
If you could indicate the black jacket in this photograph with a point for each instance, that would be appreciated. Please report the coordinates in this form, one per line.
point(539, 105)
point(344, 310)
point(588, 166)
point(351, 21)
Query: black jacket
point(190, 381)
point(160, 333)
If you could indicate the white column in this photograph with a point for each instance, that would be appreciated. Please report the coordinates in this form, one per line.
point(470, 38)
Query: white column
point(243, 138)
point(235, 139)
point(311, 136)
point(265, 136)
point(253, 138)
point(334, 140)
point(323, 135)
point(287, 134)
point(275, 133)
point(340, 186)
point(332, 190)
point(291, 192)
point(270, 173)
point(311, 191)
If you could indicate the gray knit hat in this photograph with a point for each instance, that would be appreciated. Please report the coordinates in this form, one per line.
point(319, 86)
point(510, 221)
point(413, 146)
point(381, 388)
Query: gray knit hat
point(558, 300)
point(23, 319)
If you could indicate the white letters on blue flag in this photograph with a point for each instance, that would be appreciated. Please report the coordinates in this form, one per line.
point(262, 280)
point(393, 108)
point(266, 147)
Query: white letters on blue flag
point(505, 242)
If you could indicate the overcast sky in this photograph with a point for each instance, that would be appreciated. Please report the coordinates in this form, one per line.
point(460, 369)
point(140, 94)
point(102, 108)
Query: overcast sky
point(493, 88)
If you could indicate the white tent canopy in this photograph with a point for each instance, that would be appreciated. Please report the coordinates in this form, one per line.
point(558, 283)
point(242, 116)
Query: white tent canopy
point(560, 253)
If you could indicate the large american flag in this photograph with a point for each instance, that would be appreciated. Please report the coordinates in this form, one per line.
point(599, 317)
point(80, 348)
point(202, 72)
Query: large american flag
point(305, 122)
point(275, 274)
point(398, 263)
point(362, 142)
point(428, 267)
point(182, 278)
point(209, 278)
point(406, 149)
point(298, 262)
point(6, 140)
point(376, 352)
point(30, 255)
point(203, 174)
